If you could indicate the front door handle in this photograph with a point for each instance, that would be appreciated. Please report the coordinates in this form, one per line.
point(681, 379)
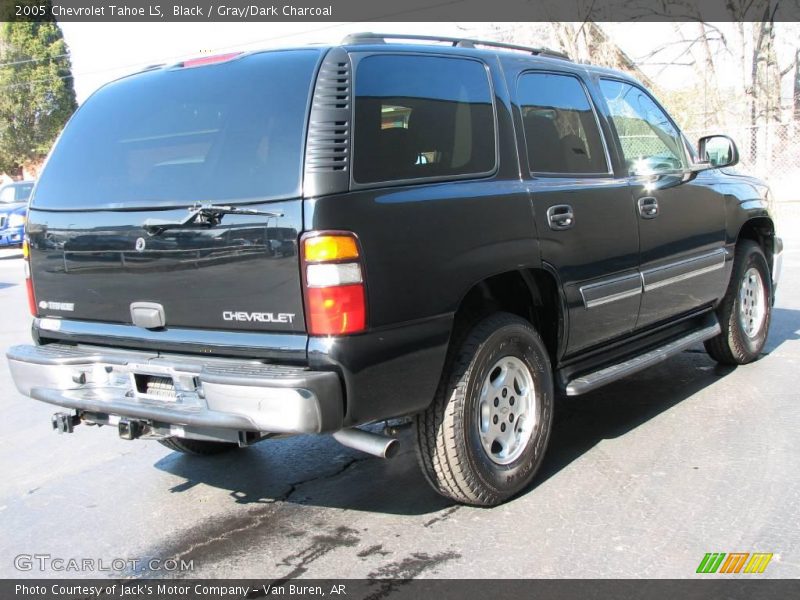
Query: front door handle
point(648, 207)
point(560, 217)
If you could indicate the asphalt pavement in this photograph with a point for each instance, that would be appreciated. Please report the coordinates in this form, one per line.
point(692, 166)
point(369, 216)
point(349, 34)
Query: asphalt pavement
point(642, 479)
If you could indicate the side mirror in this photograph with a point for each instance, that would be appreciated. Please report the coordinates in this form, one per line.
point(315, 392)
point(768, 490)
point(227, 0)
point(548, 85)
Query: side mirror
point(718, 151)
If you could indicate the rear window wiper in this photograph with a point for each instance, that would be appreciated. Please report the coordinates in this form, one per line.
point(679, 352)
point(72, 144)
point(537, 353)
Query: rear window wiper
point(203, 215)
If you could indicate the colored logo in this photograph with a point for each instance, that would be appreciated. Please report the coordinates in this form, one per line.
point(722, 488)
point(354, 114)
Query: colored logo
point(734, 562)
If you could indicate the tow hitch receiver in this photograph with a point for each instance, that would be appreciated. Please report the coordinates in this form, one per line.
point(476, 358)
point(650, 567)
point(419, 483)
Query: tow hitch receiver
point(64, 422)
point(131, 429)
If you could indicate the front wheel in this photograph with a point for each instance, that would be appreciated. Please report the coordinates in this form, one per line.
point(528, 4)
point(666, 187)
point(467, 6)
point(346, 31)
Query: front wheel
point(745, 311)
point(483, 437)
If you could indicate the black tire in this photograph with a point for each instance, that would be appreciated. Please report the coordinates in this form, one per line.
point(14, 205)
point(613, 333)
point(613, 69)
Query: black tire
point(734, 346)
point(197, 447)
point(448, 439)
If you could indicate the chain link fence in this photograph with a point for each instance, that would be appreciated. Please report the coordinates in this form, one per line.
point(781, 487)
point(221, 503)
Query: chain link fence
point(770, 151)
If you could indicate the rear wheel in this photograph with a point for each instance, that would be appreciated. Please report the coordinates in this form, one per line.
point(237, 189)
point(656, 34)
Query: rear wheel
point(483, 438)
point(197, 447)
point(745, 311)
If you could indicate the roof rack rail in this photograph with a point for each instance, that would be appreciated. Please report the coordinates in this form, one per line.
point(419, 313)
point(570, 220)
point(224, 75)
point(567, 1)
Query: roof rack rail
point(380, 38)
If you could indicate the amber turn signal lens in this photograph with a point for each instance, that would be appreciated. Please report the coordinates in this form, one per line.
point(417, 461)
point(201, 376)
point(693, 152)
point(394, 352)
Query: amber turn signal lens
point(26, 251)
point(322, 248)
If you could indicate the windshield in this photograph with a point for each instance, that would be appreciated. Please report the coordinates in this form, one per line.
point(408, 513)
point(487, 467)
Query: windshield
point(15, 192)
point(232, 131)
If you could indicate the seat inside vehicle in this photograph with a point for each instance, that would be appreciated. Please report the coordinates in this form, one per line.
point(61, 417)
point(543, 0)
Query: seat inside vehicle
point(426, 138)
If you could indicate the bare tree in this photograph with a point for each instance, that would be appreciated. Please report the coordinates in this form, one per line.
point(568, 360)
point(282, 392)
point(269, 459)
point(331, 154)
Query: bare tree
point(796, 87)
point(585, 42)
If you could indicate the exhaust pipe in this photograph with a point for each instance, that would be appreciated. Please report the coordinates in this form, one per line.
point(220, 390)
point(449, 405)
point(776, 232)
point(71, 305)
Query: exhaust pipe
point(365, 441)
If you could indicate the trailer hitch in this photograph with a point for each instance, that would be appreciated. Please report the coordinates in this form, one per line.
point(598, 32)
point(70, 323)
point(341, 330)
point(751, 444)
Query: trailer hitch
point(65, 422)
point(130, 429)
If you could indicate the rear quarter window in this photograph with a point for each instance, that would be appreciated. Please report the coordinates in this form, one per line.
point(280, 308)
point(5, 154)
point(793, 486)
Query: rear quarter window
point(422, 117)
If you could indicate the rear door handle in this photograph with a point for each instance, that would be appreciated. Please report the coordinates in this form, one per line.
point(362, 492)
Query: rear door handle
point(560, 217)
point(648, 207)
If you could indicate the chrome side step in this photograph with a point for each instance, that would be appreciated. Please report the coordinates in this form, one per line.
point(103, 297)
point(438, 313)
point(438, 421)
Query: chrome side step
point(591, 381)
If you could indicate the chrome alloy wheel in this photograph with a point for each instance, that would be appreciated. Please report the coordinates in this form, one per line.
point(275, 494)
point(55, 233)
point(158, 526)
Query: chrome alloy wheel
point(752, 303)
point(507, 412)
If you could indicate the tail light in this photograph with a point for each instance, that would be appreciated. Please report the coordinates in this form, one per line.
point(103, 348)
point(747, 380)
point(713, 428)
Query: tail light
point(334, 283)
point(26, 260)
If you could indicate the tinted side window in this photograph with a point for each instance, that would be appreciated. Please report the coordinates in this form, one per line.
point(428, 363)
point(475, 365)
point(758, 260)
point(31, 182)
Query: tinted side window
point(560, 126)
point(421, 116)
point(649, 140)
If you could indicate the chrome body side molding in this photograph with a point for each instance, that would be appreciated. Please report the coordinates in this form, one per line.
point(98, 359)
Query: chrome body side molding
point(603, 292)
point(676, 272)
point(627, 286)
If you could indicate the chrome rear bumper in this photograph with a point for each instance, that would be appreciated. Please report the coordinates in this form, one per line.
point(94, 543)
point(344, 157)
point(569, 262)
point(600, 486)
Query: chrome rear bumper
point(230, 394)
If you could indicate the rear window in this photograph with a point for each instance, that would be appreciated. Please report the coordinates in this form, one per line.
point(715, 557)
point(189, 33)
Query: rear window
point(16, 192)
point(422, 116)
point(231, 131)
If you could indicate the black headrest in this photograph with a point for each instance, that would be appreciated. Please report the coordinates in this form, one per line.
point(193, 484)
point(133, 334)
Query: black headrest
point(544, 144)
point(431, 126)
point(575, 154)
point(395, 145)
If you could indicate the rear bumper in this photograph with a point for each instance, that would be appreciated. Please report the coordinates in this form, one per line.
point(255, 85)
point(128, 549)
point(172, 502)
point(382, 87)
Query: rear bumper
point(385, 373)
point(230, 394)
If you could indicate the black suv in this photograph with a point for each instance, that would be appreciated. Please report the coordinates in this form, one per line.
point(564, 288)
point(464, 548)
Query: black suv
point(307, 240)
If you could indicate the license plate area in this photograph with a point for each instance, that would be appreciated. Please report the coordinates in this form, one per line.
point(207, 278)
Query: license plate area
point(154, 387)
